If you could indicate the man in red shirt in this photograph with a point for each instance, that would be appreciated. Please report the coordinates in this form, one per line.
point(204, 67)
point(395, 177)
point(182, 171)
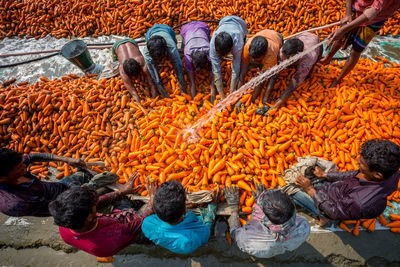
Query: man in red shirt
point(75, 212)
point(363, 20)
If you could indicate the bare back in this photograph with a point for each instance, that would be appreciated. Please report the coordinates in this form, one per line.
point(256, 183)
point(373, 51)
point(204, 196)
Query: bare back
point(128, 50)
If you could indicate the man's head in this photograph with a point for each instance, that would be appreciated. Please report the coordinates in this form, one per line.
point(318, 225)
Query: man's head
point(277, 206)
point(258, 47)
point(223, 43)
point(74, 208)
point(292, 47)
point(131, 68)
point(11, 165)
point(379, 159)
point(169, 202)
point(200, 60)
point(157, 47)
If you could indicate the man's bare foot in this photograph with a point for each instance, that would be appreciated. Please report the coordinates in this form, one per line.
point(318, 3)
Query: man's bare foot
point(334, 83)
point(321, 221)
point(325, 60)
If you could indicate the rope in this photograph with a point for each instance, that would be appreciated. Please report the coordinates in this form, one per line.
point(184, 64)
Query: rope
point(313, 29)
point(28, 61)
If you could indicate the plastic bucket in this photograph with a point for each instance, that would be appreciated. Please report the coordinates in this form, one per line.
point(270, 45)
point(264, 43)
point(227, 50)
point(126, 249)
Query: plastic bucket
point(77, 53)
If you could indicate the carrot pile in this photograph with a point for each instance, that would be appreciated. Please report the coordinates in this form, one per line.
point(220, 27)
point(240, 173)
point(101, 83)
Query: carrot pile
point(60, 18)
point(81, 117)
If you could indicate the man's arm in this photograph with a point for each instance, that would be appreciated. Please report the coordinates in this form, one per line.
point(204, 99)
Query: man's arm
point(192, 84)
point(334, 176)
point(339, 33)
point(270, 86)
point(128, 84)
point(117, 195)
point(153, 70)
point(232, 199)
point(46, 157)
point(236, 63)
point(216, 69)
point(335, 209)
point(150, 82)
point(300, 75)
point(178, 67)
point(157, 79)
point(348, 16)
point(208, 215)
point(243, 70)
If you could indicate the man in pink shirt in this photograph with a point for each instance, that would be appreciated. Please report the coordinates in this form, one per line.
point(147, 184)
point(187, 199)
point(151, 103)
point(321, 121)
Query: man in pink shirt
point(75, 212)
point(363, 20)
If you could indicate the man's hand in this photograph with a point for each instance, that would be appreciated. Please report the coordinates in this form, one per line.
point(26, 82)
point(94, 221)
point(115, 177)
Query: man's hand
point(216, 196)
point(151, 188)
point(345, 20)
point(128, 187)
point(232, 197)
point(305, 184)
point(336, 35)
point(259, 189)
point(319, 172)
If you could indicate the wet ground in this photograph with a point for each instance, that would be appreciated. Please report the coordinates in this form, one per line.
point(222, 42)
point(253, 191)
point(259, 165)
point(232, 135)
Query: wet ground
point(57, 66)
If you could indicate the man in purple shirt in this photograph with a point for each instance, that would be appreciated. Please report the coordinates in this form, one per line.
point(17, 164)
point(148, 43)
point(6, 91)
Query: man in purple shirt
point(196, 50)
point(358, 194)
point(22, 193)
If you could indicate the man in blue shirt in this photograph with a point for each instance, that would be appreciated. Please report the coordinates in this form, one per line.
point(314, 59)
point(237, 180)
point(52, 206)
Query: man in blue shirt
point(172, 227)
point(161, 44)
point(228, 38)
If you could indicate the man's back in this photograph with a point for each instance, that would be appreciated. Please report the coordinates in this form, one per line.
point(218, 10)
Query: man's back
point(353, 198)
point(256, 239)
point(184, 237)
point(109, 236)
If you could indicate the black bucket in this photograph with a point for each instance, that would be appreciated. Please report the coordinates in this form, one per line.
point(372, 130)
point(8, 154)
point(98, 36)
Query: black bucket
point(77, 53)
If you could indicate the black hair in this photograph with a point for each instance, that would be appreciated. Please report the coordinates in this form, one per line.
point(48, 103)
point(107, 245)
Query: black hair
point(200, 59)
point(169, 201)
point(131, 67)
point(277, 206)
point(258, 47)
point(292, 47)
point(157, 47)
point(72, 207)
point(8, 160)
point(382, 156)
point(223, 43)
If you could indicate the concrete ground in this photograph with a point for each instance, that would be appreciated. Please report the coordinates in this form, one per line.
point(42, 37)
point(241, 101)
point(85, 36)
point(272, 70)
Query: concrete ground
point(31, 241)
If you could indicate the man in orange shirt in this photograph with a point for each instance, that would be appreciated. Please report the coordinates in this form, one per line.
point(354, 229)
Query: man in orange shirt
point(263, 48)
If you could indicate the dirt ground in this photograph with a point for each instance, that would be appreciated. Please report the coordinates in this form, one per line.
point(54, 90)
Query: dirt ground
point(33, 241)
